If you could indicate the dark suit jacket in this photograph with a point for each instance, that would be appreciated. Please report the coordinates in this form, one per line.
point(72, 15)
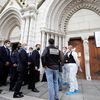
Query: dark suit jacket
point(36, 58)
point(22, 60)
point(14, 57)
point(4, 55)
point(29, 57)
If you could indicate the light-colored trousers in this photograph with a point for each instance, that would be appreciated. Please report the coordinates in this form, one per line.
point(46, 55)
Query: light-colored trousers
point(73, 68)
point(65, 73)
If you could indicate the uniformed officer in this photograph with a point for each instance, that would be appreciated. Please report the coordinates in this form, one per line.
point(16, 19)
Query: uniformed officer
point(50, 61)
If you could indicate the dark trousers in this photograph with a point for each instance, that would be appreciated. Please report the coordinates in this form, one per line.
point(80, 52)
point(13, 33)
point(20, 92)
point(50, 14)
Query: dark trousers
point(31, 82)
point(20, 79)
point(13, 77)
point(1, 73)
point(4, 75)
point(25, 78)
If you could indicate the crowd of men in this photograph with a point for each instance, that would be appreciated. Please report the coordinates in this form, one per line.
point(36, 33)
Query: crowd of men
point(22, 67)
point(60, 68)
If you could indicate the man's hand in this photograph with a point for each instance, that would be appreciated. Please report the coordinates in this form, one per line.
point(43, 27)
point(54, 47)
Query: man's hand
point(44, 66)
point(29, 63)
point(66, 60)
point(7, 63)
point(14, 65)
point(36, 68)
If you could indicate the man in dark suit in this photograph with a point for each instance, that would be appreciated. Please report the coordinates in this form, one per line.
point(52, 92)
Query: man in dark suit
point(21, 69)
point(13, 69)
point(31, 69)
point(35, 75)
point(5, 62)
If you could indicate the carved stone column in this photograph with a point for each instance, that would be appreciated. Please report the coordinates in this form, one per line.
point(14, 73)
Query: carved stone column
point(86, 56)
point(31, 32)
point(26, 32)
point(52, 36)
point(43, 41)
point(60, 47)
point(48, 36)
point(56, 40)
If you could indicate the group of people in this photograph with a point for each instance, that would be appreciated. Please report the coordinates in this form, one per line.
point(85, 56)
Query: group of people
point(60, 68)
point(22, 67)
point(57, 63)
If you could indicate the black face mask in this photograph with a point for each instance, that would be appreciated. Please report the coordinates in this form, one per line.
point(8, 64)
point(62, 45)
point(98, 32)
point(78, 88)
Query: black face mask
point(38, 49)
point(19, 47)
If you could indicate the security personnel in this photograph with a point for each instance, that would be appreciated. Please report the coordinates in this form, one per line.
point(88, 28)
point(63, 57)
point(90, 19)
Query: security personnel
point(50, 61)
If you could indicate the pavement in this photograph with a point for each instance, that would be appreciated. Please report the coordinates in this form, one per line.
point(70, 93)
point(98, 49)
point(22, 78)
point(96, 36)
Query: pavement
point(90, 90)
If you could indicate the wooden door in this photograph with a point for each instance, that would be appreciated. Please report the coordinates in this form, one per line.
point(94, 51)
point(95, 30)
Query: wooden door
point(94, 59)
point(78, 44)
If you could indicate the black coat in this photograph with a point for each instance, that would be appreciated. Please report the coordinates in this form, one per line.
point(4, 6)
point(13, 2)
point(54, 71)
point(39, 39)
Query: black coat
point(36, 58)
point(14, 57)
point(4, 55)
point(22, 60)
point(36, 62)
point(30, 57)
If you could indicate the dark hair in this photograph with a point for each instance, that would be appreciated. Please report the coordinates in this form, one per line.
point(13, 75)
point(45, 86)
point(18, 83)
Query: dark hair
point(65, 47)
point(37, 45)
point(30, 48)
point(51, 41)
point(6, 41)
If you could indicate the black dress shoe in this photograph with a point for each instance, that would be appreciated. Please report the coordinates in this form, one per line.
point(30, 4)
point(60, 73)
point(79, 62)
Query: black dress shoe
point(29, 87)
point(35, 90)
point(18, 95)
point(0, 91)
point(11, 90)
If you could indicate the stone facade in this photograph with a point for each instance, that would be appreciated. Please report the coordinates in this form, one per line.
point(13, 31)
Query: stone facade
point(21, 21)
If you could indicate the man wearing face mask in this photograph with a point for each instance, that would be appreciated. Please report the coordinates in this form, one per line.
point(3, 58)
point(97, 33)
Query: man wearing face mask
point(5, 62)
point(35, 66)
point(21, 69)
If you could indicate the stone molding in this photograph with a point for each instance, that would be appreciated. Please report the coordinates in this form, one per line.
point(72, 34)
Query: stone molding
point(73, 7)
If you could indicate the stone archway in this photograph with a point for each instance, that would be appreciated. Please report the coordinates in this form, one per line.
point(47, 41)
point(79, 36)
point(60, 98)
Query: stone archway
point(75, 6)
point(10, 19)
point(59, 17)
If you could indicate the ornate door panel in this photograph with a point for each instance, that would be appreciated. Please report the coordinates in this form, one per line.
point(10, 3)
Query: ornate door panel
point(94, 59)
point(78, 44)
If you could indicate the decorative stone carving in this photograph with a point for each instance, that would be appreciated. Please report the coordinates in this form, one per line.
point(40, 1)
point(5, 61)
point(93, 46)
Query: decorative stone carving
point(73, 7)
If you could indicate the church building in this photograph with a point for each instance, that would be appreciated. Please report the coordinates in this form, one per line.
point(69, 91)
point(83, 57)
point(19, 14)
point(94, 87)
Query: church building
point(67, 21)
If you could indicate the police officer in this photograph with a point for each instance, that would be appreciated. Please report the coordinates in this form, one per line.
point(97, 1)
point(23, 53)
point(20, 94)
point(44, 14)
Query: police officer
point(50, 61)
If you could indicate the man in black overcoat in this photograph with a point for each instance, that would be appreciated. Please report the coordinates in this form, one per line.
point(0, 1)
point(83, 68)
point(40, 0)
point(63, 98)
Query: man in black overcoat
point(5, 62)
point(35, 67)
point(21, 69)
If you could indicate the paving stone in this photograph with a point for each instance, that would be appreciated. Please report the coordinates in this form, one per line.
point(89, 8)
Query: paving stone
point(90, 90)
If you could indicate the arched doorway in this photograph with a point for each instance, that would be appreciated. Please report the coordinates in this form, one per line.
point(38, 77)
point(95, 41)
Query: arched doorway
point(83, 24)
point(10, 25)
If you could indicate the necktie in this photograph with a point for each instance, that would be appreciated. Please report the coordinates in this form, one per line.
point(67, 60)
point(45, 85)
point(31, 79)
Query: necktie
point(7, 51)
